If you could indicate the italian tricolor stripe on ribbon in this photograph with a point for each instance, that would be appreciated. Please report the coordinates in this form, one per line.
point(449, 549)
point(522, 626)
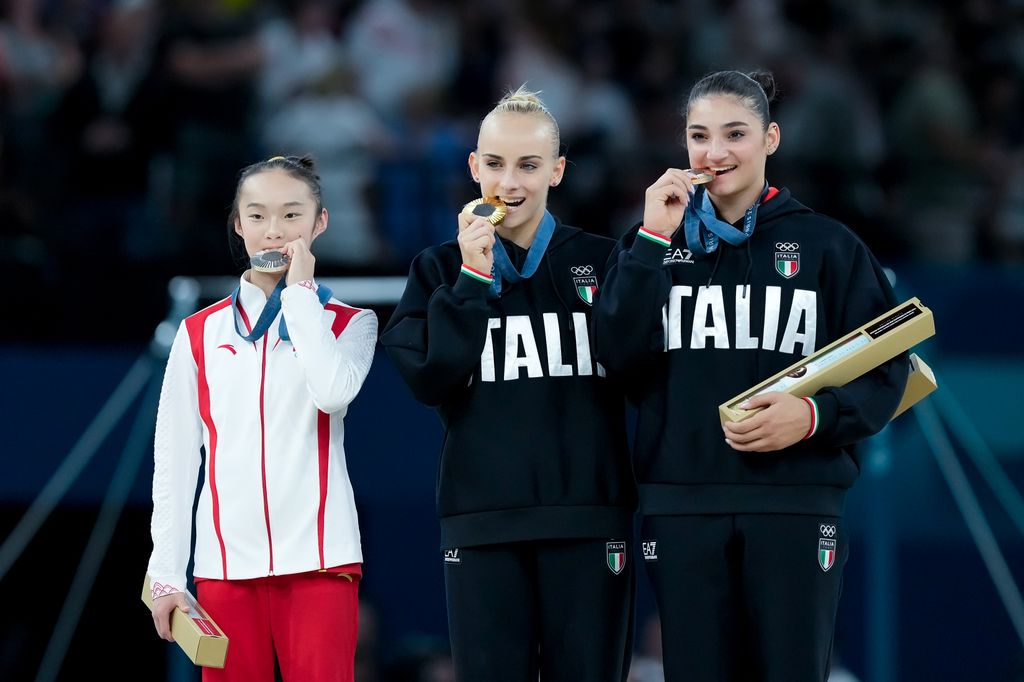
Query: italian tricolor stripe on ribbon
point(477, 275)
point(814, 416)
point(654, 237)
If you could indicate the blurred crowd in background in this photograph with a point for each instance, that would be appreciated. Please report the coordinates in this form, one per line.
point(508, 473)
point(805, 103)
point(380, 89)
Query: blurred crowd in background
point(124, 123)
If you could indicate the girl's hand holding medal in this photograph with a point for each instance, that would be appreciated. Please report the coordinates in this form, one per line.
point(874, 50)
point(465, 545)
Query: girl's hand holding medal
point(477, 222)
point(666, 200)
point(302, 261)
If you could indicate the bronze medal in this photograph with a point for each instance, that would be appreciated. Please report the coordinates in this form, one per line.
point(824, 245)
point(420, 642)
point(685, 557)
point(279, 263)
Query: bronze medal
point(491, 209)
point(699, 176)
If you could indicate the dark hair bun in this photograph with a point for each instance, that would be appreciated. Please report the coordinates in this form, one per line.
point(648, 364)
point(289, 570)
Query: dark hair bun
point(767, 82)
point(306, 161)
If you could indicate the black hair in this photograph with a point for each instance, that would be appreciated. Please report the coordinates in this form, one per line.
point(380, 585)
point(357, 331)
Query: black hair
point(755, 90)
point(299, 167)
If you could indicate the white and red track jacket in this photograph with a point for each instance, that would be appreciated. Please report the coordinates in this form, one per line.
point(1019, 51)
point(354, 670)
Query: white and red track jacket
point(276, 497)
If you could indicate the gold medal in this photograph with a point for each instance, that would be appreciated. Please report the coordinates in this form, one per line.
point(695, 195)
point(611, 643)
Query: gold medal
point(491, 209)
point(700, 177)
point(269, 261)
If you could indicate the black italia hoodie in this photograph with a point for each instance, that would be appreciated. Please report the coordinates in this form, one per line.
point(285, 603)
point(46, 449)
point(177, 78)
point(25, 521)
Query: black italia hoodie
point(535, 443)
point(688, 333)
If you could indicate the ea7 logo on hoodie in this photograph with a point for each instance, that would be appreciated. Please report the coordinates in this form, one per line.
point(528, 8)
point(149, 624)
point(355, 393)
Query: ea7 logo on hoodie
point(586, 283)
point(787, 258)
point(676, 256)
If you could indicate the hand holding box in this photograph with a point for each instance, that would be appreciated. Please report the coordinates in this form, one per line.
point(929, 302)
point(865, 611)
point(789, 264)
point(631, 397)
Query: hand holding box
point(844, 360)
point(195, 632)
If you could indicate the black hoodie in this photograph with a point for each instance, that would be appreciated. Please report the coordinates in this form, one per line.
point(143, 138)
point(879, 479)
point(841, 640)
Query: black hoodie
point(535, 444)
point(687, 335)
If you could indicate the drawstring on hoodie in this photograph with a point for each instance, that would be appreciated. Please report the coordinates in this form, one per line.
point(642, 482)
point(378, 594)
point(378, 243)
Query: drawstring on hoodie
point(718, 259)
point(705, 221)
point(750, 267)
point(746, 276)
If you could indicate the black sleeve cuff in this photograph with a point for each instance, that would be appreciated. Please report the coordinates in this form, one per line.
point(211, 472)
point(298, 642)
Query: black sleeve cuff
point(467, 287)
point(648, 251)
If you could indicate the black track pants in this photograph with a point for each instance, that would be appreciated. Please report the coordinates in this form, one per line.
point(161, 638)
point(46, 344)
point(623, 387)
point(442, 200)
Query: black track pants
point(748, 597)
point(560, 608)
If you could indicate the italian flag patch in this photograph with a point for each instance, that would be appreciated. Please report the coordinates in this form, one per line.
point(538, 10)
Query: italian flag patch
point(826, 553)
point(615, 554)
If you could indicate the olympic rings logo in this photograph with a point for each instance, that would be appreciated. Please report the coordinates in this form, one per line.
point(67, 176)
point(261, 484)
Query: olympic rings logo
point(827, 531)
point(786, 246)
point(582, 270)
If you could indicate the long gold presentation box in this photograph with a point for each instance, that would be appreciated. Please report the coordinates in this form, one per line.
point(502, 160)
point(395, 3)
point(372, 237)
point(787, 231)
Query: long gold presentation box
point(199, 637)
point(844, 360)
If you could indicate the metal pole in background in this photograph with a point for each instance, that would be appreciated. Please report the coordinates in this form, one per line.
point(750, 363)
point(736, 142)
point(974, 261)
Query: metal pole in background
point(135, 449)
point(81, 454)
point(972, 514)
point(881, 564)
point(981, 454)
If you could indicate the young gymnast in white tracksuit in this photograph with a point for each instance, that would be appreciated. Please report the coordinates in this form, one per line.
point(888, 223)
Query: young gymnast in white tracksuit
point(261, 381)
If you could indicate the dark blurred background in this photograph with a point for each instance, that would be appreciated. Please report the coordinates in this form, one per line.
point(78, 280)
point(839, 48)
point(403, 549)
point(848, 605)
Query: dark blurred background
point(123, 124)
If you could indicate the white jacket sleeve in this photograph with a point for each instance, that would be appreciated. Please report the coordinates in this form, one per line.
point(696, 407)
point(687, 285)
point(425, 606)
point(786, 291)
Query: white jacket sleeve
point(334, 367)
point(179, 437)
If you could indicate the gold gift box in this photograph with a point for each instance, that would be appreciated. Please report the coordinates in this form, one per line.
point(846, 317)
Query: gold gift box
point(842, 361)
point(199, 637)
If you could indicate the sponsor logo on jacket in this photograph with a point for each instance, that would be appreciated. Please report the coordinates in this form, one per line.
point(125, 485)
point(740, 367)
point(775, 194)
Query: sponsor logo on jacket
point(674, 256)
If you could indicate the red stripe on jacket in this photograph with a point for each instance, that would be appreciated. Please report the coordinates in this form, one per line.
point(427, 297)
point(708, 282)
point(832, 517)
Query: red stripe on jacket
point(195, 326)
point(342, 315)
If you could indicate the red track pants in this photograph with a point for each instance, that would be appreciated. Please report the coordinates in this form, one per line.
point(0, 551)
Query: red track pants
point(309, 620)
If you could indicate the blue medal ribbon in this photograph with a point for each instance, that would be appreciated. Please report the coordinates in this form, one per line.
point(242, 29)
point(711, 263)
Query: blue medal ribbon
point(270, 311)
point(702, 228)
point(503, 267)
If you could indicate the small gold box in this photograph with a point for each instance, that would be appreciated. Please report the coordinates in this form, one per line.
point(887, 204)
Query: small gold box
point(199, 637)
point(844, 360)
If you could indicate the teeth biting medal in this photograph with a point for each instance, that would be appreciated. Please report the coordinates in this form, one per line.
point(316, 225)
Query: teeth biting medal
point(700, 176)
point(491, 209)
point(269, 261)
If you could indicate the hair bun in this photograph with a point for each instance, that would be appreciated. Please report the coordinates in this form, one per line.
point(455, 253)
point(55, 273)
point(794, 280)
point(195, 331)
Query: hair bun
point(306, 161)
point(767, 82)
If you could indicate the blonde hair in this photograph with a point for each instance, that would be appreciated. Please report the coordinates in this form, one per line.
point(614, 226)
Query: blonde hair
point(528, 103)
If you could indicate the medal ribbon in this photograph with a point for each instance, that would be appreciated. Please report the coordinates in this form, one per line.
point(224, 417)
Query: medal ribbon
point(503, 267)
point(270, 311)
point(702, 228)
